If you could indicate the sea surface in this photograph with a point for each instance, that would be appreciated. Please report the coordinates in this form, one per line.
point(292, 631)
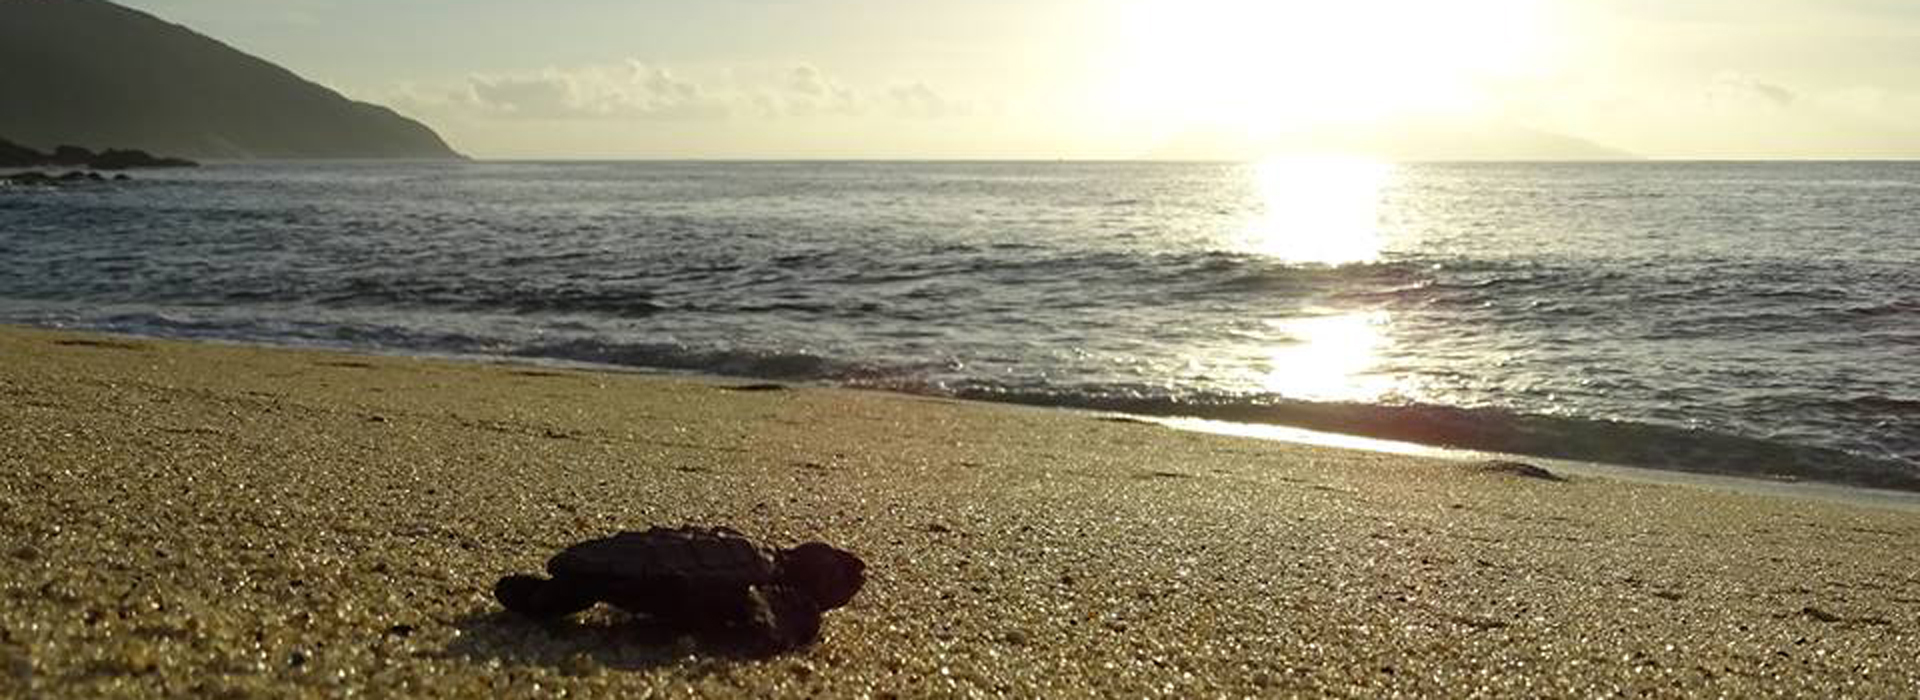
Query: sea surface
point(1744, 318)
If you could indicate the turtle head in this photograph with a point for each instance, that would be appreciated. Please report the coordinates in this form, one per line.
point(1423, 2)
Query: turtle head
point(829, 574)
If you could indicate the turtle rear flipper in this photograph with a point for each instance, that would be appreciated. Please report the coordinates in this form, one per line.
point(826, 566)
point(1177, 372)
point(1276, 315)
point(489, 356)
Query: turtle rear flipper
point(536, 597)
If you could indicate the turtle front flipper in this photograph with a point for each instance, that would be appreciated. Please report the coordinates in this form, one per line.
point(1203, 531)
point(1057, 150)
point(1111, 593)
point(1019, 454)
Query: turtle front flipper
point(760, 621)
point(536, 597)
point(794, 616)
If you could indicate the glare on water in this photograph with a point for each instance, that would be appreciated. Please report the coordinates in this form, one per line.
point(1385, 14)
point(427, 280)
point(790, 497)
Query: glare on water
point(1329, 358)
point(1320, 211)
point(1323, 210)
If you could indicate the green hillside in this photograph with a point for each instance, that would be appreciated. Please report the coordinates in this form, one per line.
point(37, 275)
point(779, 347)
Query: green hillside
point(93, 73)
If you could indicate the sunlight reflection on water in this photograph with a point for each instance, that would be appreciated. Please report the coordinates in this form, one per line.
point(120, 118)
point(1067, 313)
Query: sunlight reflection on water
point(1329, 358)
point(1319, 211)
point(1323, 210)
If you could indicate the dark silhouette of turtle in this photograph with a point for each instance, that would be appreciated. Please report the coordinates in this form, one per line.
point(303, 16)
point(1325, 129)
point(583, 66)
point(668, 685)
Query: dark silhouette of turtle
point(712, 583)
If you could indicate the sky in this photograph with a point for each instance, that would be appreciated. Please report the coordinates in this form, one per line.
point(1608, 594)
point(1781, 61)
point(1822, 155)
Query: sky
point(1110, 78)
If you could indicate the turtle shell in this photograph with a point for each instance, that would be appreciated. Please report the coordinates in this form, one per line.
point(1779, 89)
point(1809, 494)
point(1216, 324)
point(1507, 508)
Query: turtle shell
point(708, 556)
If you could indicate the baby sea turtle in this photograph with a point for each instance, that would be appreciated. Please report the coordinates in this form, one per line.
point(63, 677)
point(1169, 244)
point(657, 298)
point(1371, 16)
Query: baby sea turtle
point(712, 583)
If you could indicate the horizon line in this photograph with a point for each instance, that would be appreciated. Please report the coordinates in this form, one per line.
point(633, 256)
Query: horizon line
point(1170, 161)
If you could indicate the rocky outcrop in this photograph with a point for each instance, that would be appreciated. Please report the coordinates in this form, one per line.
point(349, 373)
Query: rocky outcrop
point(39, 179)
point(13, 155)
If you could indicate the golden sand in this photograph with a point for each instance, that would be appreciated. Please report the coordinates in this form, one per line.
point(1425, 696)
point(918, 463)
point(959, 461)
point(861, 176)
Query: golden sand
point(220, 521)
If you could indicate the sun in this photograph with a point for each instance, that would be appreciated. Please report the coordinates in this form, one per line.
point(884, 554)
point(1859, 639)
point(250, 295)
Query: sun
point(1265, 66)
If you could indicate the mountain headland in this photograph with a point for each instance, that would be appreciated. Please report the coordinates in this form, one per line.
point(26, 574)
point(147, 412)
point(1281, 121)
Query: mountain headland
point(95, 73)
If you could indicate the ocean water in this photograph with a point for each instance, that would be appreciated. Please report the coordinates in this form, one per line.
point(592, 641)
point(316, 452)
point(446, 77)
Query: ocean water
point(1744, 318)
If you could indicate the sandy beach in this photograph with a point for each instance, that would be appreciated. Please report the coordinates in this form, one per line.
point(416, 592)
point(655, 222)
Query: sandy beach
point(223, 521)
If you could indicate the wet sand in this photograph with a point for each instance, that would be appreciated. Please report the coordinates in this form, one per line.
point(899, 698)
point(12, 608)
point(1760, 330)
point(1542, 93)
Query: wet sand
point(223, 521)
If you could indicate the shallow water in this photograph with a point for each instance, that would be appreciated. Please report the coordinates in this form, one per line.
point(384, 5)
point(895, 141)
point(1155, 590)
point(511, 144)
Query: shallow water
point(1743, 318)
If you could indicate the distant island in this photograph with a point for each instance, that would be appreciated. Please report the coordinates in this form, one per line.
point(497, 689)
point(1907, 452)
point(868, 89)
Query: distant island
point(1403, 139)
point(92, 72)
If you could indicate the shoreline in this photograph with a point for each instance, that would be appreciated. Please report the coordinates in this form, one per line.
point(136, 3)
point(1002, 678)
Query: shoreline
point(1846, 494)
point(1759, 484)
point(202, 518)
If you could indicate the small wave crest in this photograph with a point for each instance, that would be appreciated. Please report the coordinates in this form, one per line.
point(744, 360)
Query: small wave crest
point(1880, 404)
point(759, 364)
point(491, 296)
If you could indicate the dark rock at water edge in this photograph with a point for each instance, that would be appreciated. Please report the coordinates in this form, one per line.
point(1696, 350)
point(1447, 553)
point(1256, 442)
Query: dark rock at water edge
point(1519, 469)
point(28, 179)
point(32, 178)
point(13, 155)
point(93, 72)
point(122, 159)
point(70, 155)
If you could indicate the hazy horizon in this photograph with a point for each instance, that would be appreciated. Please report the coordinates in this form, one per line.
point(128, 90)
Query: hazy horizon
point(1086, 80)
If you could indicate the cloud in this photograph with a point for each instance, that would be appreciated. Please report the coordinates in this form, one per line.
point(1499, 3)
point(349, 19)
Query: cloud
point(637, 90)
point(805, 91)
point(1739, 89)
point(918, 101)
point(626, 90)
point(807, 80)
point(537, 96)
